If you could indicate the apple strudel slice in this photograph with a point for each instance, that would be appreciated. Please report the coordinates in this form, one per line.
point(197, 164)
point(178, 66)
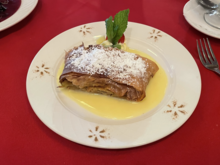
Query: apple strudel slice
point(107, 71)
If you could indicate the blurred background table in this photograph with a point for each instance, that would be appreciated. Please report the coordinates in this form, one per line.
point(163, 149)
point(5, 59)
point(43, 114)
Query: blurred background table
point(26, 140)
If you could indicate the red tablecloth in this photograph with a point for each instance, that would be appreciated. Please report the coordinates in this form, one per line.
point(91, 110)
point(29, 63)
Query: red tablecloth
point(24, 139)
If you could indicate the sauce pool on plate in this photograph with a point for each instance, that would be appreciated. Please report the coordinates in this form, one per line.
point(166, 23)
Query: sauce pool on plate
point(9, 8)
point(115, 108)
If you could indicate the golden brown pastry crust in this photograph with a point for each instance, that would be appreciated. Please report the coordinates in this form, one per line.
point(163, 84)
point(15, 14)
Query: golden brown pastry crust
point(132, 88)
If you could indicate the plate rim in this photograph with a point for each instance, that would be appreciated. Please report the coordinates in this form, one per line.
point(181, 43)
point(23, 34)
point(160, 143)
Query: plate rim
point(123, 147)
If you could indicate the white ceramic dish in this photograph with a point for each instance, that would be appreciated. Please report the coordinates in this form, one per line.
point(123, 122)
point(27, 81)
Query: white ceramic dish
point(73, 122)
point(194, 16)
point(27, 6)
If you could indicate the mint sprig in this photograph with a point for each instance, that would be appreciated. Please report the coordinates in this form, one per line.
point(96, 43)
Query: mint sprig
point(111, 30)
point(116, 28)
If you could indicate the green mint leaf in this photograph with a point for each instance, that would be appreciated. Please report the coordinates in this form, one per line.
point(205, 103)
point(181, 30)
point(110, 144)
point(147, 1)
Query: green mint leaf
point(109, 28)
point(120, 20)
point(116, 46)
point(115, 30)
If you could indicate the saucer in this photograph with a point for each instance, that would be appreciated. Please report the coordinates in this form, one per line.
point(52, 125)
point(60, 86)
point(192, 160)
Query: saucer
point(193, 14)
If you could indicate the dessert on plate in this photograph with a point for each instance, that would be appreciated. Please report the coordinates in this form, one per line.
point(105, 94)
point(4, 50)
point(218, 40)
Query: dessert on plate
point(107, 69)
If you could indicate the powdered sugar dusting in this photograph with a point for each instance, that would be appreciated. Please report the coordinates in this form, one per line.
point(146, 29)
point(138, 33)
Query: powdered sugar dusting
point(106, 61)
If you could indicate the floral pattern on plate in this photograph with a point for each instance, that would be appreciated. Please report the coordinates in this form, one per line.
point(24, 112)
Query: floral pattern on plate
point(175, 109)
point(85, 30)
point(155, 34)
point(98, 133)
point(42, 70)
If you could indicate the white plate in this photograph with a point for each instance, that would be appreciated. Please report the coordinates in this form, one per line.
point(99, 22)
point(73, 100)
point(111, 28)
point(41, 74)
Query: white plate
point(71, 121)
point(194, 16)
point(27, 6)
